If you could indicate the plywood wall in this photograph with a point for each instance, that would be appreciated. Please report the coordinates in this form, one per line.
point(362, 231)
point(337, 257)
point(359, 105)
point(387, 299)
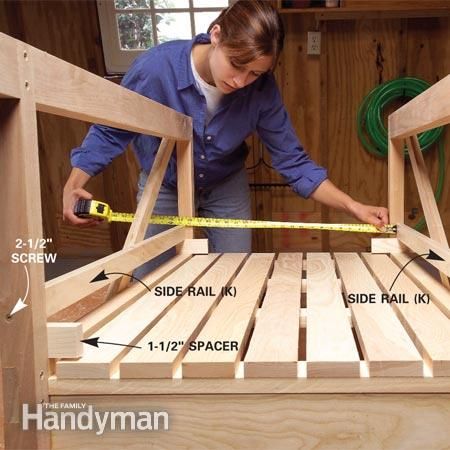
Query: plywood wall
point(321, 93)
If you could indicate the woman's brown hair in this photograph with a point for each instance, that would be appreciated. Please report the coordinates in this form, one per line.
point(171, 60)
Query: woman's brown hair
point(250, 29)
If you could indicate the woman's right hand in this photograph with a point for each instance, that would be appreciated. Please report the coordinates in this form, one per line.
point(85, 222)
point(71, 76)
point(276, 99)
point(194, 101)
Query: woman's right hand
point(71, 194)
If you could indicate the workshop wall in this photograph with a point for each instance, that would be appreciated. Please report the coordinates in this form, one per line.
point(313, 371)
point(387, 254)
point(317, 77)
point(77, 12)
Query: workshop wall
point(322, 94)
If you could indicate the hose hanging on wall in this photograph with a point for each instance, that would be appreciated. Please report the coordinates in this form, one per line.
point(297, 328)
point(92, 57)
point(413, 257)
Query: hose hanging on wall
point(373, 134)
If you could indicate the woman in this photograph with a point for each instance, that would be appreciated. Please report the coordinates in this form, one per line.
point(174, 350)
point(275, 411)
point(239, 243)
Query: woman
point(224, 81)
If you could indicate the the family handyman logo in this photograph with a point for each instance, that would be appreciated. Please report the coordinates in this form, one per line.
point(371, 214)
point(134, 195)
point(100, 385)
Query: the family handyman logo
point(84, 417)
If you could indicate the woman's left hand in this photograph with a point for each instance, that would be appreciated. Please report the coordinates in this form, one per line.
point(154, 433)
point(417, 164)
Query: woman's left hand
point(375, 215)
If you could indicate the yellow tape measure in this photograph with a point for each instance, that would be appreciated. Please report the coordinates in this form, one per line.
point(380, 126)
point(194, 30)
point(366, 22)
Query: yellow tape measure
point(93, 208)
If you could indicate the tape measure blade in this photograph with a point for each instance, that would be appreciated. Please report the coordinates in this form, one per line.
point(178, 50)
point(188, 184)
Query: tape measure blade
point(243, 223)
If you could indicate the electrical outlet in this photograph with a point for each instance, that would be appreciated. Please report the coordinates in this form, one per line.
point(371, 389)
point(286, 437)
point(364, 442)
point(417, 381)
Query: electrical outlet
point(313, 45)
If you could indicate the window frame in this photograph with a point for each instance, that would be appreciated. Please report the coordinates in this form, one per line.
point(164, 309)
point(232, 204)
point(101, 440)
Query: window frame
point(118, 60)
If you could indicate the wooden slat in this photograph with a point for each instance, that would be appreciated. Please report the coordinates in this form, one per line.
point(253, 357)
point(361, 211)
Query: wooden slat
point(129, 326)
point(74, 285)
point(64, 339)
point(145, 207)
point(230, 322)
point(288, 267)
point(273, 349)
point(103, 314)
point(386, 346)
point(426, 194)
point(181, 324)
point(426, 325)
point(424, 112)
point(440, 295)
point(58, 85)
point(422, 244)
point(9, 70)
point(330, 347)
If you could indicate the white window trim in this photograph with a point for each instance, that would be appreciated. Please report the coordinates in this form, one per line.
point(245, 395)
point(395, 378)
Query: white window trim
point(116, 59)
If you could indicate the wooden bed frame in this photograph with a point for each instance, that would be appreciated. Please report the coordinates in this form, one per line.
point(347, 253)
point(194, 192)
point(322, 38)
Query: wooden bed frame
point(295, 364)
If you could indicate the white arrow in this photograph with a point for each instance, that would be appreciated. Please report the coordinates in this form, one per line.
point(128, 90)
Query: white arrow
point(21, 303)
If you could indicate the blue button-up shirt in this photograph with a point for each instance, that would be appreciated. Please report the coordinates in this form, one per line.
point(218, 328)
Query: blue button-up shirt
point(164, 74)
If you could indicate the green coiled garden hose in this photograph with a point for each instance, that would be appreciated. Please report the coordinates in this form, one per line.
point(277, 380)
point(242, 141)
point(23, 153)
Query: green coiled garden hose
point(373, 133)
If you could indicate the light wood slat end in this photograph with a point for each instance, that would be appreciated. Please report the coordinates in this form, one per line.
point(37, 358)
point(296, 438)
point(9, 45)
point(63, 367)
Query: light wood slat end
point(77, 369)
point(210, 369)
point(440, 368)
point(144, 370)
point(407, 368)
point(270, 369)
point(333, 369)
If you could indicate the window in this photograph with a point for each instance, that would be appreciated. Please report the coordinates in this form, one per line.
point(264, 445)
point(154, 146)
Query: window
point(129, 27)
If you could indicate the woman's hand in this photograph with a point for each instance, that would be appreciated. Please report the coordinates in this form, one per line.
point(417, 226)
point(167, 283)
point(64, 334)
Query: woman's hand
point(73, 191)
point(375, 215)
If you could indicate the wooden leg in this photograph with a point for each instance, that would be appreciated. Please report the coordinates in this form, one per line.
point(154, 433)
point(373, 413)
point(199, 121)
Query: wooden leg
point(23, 353)
point(396, 181)
point(430, 209)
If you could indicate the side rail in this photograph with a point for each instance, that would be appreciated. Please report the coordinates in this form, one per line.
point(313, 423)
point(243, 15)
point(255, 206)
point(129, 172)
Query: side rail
point(426, 111)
